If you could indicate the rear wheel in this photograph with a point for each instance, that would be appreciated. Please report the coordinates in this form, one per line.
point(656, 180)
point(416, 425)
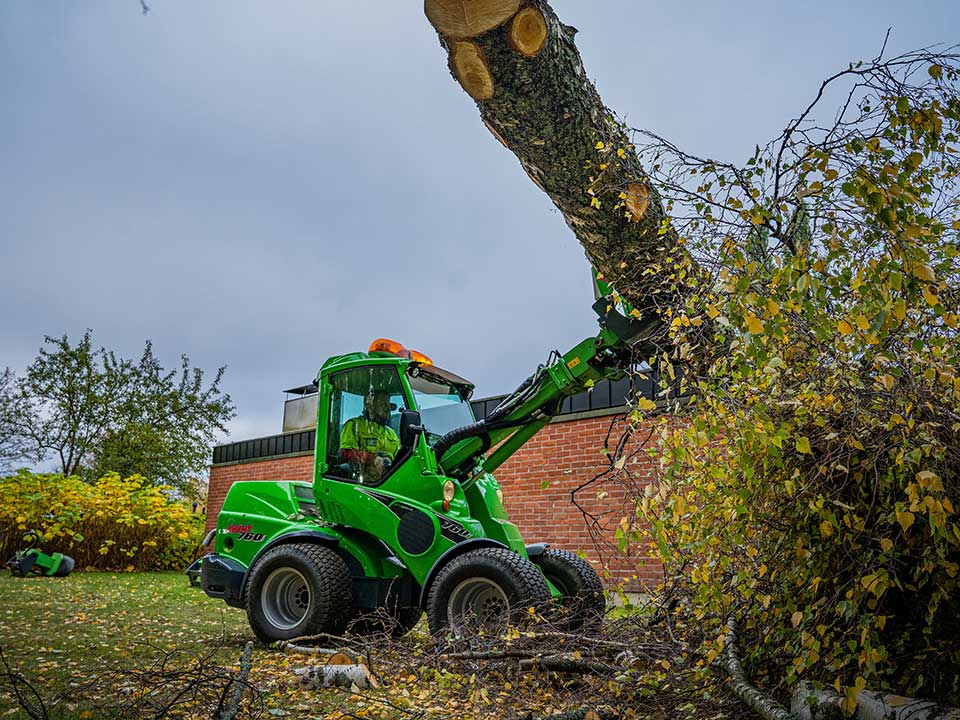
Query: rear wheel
point(66, 567)
point(483, 591)
point(296, 590)
point(582, 599)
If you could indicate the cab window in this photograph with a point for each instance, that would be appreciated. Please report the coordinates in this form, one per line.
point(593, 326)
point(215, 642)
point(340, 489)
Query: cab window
point(363, 426)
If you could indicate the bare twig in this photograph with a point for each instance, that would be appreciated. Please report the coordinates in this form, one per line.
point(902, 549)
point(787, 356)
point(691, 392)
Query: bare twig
point(22, 688)
point(233, 707)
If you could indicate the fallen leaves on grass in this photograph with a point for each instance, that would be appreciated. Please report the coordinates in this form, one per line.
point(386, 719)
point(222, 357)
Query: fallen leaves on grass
point(92, 640)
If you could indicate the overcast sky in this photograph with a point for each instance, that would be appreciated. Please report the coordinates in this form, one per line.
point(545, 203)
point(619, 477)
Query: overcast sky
point(266, 184)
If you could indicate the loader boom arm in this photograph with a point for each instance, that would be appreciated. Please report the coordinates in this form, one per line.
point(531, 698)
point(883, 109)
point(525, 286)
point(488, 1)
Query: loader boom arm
point(531, 406)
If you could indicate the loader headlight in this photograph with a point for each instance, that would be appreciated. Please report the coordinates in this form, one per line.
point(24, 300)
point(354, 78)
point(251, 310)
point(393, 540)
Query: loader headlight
point(500, 495)
point(449, 490)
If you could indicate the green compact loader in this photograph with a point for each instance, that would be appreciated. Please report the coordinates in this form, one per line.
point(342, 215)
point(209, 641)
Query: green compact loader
point(30, 560)
point(404, 514)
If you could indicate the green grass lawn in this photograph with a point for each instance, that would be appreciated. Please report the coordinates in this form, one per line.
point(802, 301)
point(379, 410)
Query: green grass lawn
point(109, 616)
point(61, 631)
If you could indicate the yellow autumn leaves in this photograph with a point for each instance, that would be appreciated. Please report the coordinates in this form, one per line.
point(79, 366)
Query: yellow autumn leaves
point(115, 523)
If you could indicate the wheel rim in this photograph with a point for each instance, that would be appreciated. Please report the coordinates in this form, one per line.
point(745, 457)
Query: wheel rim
point(477, 603)
point(285, 598)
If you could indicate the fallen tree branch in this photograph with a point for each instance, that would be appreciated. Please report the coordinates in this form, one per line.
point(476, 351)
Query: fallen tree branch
point(295, 645)
point(611, 645)
point(533, 659)
point(289, 647)
point(239, 683)
point(490, 654)
point(18, 683)
point(757, 700)
point(337, 639)
point(577, 714)
point(570, 664)
point(174, 683)
point(808, 704)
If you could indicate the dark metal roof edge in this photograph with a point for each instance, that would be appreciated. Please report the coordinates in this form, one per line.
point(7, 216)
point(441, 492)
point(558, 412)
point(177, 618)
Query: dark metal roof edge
point(310, 389)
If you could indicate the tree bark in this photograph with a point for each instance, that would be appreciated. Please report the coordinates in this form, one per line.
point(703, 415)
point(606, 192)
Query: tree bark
point(570, 664)
point(760, 702)
point(810, 704)
point(520, 64)
point(322, 676)
point(239, 683)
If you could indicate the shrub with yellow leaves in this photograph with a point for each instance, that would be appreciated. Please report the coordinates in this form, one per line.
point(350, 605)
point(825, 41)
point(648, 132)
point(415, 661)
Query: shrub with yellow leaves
point(814, 493)
point(113, 524)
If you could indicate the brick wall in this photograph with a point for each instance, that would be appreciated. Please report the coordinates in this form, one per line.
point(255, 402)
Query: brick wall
point(557, 470)
point(565, 456)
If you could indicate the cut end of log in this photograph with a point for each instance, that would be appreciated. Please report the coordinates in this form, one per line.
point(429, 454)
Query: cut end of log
point(352, 676)
point(528, 32)
point(471, 70)
point(638, 200)
point(468, 18)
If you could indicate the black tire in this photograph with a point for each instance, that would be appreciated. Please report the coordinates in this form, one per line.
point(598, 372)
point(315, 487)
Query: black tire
point(484, 590)
point(582, 598)
point(298, 589)
point(66, 567)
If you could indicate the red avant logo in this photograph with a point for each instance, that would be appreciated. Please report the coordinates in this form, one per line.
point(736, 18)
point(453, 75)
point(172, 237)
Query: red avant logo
point(239, 528)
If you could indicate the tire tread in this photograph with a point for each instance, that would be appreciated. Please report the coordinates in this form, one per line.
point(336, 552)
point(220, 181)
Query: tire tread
point(589, 603)
point(530, 582)
point(333, 596)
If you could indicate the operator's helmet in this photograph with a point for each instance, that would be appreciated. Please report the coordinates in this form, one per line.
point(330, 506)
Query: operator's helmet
point(376, 406)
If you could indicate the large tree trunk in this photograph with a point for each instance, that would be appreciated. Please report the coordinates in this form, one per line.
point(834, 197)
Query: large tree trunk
point(521, 66)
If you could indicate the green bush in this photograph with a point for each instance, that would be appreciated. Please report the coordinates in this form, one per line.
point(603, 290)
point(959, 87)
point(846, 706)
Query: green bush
point(113, 524)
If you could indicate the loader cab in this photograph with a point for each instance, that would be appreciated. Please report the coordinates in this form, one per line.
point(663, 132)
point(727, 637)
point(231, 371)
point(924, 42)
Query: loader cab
point(422, 402)
point(361, 423)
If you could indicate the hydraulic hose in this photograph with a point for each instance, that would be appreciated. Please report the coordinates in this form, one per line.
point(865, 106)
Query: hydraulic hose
point(494, 421)
point(456, 435)
point(481, 429)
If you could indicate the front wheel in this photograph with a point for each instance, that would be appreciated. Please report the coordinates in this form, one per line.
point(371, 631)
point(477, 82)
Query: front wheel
point(483, 591)
point(581, 593)
point(296, 590)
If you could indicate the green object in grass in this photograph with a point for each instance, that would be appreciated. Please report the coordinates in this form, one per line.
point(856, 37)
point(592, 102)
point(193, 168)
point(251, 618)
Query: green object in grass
point(30, 560)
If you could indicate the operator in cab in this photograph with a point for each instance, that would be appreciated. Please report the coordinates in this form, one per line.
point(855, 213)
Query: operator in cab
point(368, 443)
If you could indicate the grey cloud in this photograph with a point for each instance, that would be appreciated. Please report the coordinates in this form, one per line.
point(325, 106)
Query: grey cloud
point(265, 184)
